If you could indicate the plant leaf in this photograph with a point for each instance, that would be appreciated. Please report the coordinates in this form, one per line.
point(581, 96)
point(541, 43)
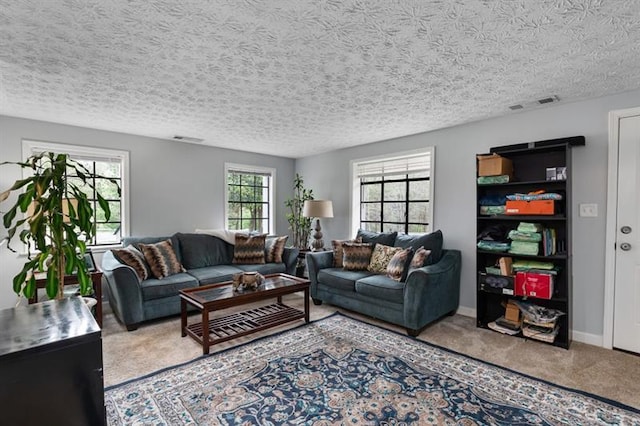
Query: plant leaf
point(52, 281)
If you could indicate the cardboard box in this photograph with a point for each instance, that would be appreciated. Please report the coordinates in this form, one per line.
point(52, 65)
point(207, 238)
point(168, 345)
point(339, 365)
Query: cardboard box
point(534, 284)
point(512, 312)
point(536, 207)
point(494, 165)
point(500, 284)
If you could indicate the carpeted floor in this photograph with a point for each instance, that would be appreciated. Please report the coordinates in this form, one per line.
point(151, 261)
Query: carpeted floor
point(611, 374)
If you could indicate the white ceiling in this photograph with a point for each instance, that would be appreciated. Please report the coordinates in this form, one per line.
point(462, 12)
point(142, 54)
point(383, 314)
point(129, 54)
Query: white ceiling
point(299, 77)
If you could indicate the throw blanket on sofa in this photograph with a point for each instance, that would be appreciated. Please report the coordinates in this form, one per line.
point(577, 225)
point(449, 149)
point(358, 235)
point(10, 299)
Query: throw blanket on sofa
point(223, 234)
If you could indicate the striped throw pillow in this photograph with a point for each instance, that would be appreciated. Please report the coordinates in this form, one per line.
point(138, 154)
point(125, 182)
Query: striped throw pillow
point(338, 252)
point(380, 258)
point(274, 248)
point(420, 257)
point(249, 249)
point(356, 256)
point(161, 258)
point(131, 256)
point(397, 268)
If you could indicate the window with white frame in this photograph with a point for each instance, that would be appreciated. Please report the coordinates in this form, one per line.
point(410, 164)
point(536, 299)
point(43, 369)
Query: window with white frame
point(249, 197)
point(394, 193)
point(105, 165)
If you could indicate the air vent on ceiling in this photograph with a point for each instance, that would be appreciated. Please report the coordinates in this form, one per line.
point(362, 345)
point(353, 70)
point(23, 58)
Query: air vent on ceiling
point(187, 139)
point(543, 101)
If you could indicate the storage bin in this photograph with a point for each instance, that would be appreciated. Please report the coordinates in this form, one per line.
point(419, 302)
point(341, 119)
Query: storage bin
point(494, 165)
point(536, 207)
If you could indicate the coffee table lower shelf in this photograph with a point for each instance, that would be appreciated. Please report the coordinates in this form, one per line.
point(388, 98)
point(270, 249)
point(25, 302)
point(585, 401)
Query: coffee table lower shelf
point(246, 322)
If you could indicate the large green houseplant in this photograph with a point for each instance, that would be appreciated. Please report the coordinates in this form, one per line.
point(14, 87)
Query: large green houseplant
point(55, 223)
point(299, 225)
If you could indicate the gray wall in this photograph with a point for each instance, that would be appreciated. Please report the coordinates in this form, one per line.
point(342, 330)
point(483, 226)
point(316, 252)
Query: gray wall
point(173, 186)
point(329, 177)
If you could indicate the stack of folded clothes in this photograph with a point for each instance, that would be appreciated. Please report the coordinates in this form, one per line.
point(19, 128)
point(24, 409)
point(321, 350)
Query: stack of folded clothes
point(526, 239)
point(494, 238)
point(491, 205)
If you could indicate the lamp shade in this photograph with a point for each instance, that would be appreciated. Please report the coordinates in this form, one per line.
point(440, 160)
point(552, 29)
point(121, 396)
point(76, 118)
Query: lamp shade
point(317, 208)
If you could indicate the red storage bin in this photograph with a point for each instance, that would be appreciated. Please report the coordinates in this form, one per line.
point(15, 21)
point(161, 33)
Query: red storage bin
point(534, 284)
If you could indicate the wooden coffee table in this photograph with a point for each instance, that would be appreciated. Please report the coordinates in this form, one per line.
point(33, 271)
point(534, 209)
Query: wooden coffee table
point(221, 296)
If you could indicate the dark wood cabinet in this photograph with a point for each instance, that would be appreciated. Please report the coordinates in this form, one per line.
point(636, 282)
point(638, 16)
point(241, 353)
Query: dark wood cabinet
point(530, 164)
point(51, 365)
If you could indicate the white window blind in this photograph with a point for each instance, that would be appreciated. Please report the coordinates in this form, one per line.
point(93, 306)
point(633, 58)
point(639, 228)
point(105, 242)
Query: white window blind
point(417, 163)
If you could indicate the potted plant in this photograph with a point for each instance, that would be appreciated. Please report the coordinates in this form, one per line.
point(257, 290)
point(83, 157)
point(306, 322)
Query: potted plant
point(57, 221)
point(299, 225)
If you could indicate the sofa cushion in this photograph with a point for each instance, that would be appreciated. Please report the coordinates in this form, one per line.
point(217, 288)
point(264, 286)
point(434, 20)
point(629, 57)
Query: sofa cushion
point(420, 257)
point(169, 286)
point(398, 267)
point(385, 238)
point(381, 257)
point(338, 252)
point(201, 250)
point(136, 241)
point(249, 249)
point(273, 249)
point(432, 241)
point(381, 287)
point(131, 256)
point(356, 256)
point(341, 279)
point(162, 259)
point(264, 269)
point(214, 274)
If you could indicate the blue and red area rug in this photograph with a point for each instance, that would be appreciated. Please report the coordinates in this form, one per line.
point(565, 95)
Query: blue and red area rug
point(342, 371)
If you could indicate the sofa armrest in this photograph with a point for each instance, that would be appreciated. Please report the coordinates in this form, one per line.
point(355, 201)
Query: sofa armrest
point(315, 262)
point(433, 291)
point(290, 259)
point(123, 285)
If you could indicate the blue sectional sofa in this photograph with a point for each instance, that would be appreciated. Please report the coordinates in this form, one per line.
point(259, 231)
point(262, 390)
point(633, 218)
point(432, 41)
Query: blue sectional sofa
point(428, 293)
point(207, 260)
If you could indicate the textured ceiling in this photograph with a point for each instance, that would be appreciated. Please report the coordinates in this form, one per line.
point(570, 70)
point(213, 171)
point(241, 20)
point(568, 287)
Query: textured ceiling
point(299, 77)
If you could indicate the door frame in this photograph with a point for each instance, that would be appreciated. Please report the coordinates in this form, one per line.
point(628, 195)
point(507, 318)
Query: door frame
point(611, 231)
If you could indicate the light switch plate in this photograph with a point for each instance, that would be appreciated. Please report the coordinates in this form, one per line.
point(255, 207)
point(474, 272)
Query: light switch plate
point(588, 210)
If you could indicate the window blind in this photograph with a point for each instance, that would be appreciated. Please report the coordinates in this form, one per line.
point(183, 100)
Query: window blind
point(395, 166)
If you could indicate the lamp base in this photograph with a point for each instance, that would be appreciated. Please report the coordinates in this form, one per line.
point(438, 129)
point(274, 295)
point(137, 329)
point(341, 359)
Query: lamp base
point(317, 244)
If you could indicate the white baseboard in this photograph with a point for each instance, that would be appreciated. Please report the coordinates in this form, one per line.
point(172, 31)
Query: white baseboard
point(578, 336)
point(588, 338)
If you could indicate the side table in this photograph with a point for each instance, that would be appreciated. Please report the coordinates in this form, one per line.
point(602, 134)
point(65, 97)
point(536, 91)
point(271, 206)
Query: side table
point(301, 270)
point(96, 278)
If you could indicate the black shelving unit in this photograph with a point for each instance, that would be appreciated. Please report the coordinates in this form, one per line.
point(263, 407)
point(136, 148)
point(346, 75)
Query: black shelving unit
point(530, 162)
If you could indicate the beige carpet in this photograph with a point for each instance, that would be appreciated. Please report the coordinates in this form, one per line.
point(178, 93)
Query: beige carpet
point(610, 374)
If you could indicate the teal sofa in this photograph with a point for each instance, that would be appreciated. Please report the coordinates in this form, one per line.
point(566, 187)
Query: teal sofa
point(428, 293)
point(207, 260)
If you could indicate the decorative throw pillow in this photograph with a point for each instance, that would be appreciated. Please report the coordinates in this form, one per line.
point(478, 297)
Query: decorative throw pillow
point(380, 258)
point(356, 256)
point(397, 268)
point(249, 249)
point(338, 253)
point(161, 258)
point(420, 257)
point(273, 249)
point(131, 256)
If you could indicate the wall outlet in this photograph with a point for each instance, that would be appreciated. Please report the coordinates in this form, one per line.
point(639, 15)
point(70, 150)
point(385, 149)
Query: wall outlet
point(588, 210)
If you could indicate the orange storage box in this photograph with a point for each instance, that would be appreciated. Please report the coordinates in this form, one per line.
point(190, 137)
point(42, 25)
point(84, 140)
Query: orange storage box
point(541, 207)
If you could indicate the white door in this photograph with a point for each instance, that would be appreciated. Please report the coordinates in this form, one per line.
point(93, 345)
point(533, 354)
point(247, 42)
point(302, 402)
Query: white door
point(626, 320)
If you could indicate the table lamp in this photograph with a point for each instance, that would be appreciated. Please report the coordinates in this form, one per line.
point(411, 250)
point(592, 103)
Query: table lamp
point(317, 209)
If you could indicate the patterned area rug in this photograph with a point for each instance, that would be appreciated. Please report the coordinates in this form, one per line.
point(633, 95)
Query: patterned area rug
point(342, 371)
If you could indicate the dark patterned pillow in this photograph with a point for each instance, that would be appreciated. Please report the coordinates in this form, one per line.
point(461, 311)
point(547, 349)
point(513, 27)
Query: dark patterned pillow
point(131, 256)
point(397, 268)
point(420, 257)
point(249, 249)
point(338, 253)
point(380, 258)
point(356, 256)
point(161, 258)
point(273, 249)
